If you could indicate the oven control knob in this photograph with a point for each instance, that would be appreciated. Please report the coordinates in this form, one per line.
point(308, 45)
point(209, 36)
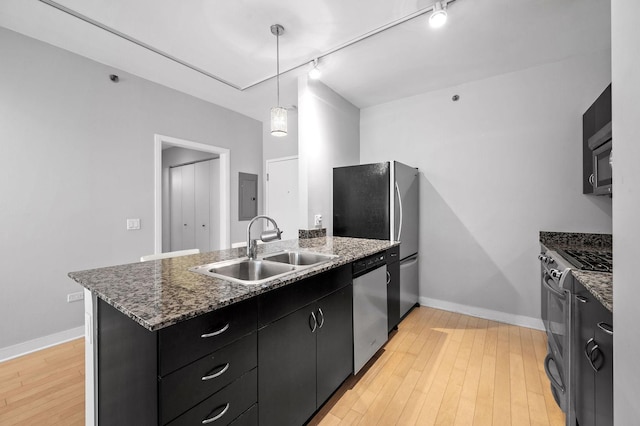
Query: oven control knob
point(545, 259)
point(555, 273)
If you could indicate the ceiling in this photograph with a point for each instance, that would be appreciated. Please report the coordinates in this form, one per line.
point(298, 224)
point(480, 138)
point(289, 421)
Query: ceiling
point(224, 52)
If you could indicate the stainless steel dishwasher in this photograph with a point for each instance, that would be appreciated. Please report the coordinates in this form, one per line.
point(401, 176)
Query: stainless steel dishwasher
point(369, 308)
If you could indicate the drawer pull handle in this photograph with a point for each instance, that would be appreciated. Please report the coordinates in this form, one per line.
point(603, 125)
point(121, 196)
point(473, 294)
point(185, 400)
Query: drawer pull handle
point(218, 373)
point(216, 333)
point(606, 328)
point(217, 416)
point(582, 299)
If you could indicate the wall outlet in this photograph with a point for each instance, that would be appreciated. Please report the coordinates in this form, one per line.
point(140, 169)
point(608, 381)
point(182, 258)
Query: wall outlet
point(133, 224)
point(74, 297)
point(317, 220)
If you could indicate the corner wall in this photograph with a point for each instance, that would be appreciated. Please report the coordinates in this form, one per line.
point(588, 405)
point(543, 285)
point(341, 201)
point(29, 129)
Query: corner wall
point(625, 41)
point(496, 167)
point(77, 161)
point(329, 136)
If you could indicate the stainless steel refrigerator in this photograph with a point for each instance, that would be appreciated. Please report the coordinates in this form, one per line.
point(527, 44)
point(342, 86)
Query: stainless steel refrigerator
point(381, 201)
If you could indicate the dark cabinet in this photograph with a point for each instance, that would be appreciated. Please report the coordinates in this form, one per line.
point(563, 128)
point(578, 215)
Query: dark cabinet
point(594, 119)
point(306, 354)
point(334, 343)
point(593, 360)
point(188, 373)
point(393, 287)
point(273, 359)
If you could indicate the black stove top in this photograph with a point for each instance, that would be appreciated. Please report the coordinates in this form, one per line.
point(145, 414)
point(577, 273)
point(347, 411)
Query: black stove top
point(589, 260)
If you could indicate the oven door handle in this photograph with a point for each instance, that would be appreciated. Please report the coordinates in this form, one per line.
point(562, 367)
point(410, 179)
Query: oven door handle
point(557, 293)
point(555, 382)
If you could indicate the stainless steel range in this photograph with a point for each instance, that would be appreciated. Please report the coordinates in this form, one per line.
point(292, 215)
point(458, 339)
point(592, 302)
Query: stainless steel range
point(556, 309)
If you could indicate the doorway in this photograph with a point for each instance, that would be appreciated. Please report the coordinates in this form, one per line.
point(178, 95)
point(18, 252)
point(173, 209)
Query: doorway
point(281, 199)
point(161, 143)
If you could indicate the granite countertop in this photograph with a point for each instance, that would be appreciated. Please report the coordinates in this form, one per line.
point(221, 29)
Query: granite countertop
point(160, 293)
point(600, 284)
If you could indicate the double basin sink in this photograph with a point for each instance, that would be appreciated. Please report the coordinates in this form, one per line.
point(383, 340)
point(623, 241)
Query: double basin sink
point(268, 267)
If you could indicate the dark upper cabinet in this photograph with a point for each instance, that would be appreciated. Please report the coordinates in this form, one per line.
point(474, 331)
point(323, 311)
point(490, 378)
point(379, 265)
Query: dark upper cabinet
point(593, 360)
point(594, 119)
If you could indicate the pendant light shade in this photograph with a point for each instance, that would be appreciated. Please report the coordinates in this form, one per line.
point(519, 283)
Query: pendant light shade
point(278, 113)
point(278, 121)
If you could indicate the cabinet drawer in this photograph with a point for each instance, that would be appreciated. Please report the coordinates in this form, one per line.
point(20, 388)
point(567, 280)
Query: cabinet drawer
point(185, 387)
point(187, 341)
point(225, 405)
point(248, 418)
point(280, 302)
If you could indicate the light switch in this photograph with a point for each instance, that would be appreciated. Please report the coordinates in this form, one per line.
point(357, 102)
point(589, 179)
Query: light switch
point(133, 224)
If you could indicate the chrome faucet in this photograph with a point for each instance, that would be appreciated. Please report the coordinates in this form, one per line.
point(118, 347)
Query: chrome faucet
point(266, 236)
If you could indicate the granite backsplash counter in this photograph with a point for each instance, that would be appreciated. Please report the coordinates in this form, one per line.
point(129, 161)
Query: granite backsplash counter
point(600, 284)
point(160, 293)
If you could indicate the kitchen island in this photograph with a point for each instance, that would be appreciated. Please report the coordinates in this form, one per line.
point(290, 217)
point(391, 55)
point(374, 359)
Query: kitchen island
point(176, 347)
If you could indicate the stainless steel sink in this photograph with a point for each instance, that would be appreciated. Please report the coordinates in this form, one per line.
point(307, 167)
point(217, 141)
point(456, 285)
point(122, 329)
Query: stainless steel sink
point(299, 258)
point(245, 271)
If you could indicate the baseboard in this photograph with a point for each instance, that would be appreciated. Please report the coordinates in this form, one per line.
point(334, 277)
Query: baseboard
point(34, 345)
point(520, 320)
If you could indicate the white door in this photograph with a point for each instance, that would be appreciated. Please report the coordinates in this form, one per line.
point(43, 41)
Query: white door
point(282, 195)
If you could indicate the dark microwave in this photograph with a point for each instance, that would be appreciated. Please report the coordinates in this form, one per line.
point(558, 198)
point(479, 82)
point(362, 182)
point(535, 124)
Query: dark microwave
point(600, 145)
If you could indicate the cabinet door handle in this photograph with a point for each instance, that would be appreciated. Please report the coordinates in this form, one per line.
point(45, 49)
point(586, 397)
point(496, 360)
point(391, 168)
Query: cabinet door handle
point(388, 277)
point(582, 299)
point(218, 373)
point(592, 179)
point(607, 328)
point(320, 317)
point(313, 325)
point(590, 357)
point(216, 333)
point(586, 347)
point(217, 416)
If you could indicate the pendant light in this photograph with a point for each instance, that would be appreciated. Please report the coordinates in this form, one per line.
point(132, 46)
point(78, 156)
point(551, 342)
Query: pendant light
point(278, 113)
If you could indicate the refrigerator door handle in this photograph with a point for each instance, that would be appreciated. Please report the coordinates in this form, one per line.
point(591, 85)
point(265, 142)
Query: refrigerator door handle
point(400, 206)
point(409, 260)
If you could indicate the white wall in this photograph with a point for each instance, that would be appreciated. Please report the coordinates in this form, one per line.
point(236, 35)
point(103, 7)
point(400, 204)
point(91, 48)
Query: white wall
point(329, 135)
point(77, 159)
point(625, 43)
point(496, 167)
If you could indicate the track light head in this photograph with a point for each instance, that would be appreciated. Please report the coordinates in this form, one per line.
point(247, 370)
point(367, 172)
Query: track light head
point(439, 15)
point(314, 71)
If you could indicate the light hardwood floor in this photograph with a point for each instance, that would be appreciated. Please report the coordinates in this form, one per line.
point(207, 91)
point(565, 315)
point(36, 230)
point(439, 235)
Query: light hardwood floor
point(439, 368)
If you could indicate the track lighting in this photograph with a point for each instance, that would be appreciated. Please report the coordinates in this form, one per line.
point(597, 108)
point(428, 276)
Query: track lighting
point(439, 15)
point(314, 72)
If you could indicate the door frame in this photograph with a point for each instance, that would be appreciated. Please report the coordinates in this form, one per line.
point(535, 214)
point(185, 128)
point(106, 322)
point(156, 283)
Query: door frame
point(266, 175)
point(225, 185)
